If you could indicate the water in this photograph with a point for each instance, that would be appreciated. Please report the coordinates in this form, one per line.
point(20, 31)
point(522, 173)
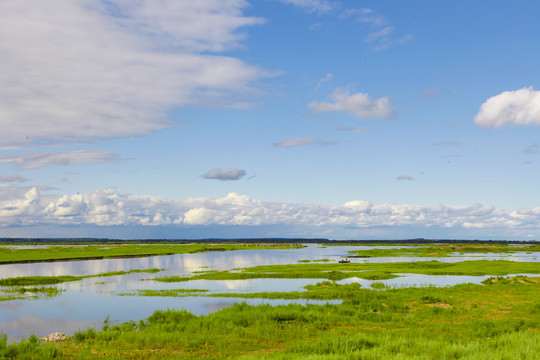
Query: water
point(88, 302)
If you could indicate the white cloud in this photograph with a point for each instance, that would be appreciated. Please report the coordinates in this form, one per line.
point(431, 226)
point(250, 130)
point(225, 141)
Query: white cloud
point(27, 207)
point(360, 105)
point(295, 142)
point(74, 70)
point(381, 35)
point(225, 175)
point(320, 6)
point(364, 15)
point(328, 77)
point(38, 160)
point(386, 43)
point(519, 107)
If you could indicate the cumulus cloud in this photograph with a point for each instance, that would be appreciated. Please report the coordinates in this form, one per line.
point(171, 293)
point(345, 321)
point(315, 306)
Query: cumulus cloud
point(27, 207)
point(295, 142)
point(360, 105)
point(38, 160)
point(510, 108)
point(225, 175)
point(74, 70)
point(13, 178)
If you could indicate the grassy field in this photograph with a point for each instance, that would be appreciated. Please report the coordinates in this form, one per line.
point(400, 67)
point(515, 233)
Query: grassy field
point(496, 321)
point(29, 287)
point(443, 250)
point(50, 280)
point(14, 255)
point(368, 271)
point(499, 319)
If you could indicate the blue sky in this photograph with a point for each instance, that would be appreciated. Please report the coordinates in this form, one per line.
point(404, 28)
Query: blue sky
point(289, 118)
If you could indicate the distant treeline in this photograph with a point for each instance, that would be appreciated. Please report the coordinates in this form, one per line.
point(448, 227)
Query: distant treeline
point(22, 241)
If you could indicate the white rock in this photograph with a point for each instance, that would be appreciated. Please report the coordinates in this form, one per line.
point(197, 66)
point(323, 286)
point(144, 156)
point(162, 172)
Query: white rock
point(54, 337)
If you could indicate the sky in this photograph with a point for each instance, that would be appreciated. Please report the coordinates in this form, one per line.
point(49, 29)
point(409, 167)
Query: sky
point(270, 118)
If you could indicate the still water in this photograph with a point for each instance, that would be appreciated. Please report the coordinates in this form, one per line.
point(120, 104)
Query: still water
point(88, 302)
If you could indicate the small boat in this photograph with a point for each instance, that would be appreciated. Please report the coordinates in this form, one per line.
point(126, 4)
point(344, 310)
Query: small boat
point(344, 261)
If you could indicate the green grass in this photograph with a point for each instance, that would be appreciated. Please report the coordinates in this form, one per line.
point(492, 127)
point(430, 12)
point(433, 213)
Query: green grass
point(369, 271)
point(27, 349)
point(10, 255)
point(173, 278)
point(49, 291)
point(169, 292)
point(474, 322)
point(444, 250)
point(10, 297)
point(51, 280)
point(23, 292)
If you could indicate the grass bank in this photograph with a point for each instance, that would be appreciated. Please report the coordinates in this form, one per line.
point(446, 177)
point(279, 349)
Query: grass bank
point(51, 280)
point(368, 271)
point(14, 255)
point(443, 250)
point(499, 321)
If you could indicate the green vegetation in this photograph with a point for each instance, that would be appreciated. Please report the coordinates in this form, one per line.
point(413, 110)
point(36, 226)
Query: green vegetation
point(48, 290)
point(10, 297)
point(28, 292)
point(51, 280)
point(368, 271)
point(443, 250)
point(27, 349)
point(173, 278)
point(469, 322)
point(13, 255)
point(497, 320)
point(169, 292)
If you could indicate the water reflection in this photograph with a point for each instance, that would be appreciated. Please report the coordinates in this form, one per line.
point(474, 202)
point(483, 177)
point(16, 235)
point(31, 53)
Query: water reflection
point(88, 302)
point(75, 311)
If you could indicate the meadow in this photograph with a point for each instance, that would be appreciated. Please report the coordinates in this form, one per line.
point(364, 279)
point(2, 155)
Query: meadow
point(498, 319)
point(125, 249)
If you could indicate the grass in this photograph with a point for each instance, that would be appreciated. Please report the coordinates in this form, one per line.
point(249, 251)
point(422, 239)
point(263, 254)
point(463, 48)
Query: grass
point(27, 349)
point(444, 250)
point(11, 255)
point(169, 292)
point(10, 297)
point(23, 292)
point(468, 322)
point(51, 280)
point(497, 320)
point(49, 291)
point(368, 271)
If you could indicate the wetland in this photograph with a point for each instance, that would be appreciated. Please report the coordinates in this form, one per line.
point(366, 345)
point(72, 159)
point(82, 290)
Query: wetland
point(271, 301)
